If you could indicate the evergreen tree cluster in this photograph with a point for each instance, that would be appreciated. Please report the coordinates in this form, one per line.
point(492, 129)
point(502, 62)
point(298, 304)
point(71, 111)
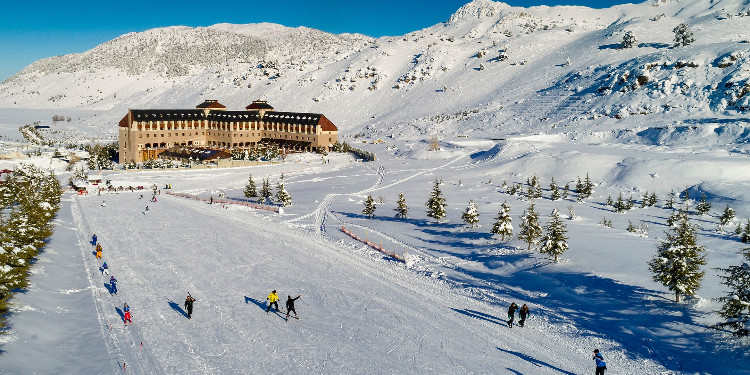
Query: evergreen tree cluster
point(584, 188)
point(266, 194)
point(30, 199)
point(101, 156)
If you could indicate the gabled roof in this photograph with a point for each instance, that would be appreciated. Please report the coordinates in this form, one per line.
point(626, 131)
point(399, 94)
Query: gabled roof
point(211, 104)
point(259, 104)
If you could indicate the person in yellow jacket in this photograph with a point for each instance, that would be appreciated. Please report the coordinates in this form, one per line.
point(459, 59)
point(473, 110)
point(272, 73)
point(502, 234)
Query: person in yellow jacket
point(273, 300)
point(98, 251)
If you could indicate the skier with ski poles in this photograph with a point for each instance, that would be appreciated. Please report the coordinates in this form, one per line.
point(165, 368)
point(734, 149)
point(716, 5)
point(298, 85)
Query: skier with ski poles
point(273, 300)
point(290, 306)
point(189, 305)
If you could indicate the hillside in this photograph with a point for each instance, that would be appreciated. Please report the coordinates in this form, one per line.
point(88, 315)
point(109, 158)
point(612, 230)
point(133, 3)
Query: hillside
point(490, 69)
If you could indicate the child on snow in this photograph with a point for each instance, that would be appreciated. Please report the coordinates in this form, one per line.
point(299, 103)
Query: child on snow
point(105, 269)
point(126, 316)
point(273, 300)
point(112, 285)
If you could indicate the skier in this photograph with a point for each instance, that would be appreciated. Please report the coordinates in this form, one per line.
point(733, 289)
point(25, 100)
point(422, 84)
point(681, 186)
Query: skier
point(144, 211)
point(189, 305)
point(211, 201)
point(273, 300)
point(126, 316)
point(98, 251)
point(512, 313)
point(93, 240)
point(112, 285)
point(105, 269)
point(523, 313)
point(290, 306)
point(600, 364)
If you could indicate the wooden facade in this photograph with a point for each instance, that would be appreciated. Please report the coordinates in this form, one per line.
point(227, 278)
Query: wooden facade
point(145, 133)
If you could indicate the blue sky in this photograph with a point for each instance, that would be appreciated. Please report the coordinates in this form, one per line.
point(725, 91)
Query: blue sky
point(34, 29)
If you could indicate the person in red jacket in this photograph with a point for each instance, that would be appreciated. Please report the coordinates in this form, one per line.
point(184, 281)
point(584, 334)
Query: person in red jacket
point(126, 316)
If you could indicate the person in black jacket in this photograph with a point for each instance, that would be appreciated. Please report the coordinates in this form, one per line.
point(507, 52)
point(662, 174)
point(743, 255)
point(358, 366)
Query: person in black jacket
point(290, 306)
point(512, 314)
point(523, 313)
point(189, 305)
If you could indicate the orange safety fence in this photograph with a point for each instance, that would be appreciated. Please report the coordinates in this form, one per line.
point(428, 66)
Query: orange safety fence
point(378, 247)
point(257, 206)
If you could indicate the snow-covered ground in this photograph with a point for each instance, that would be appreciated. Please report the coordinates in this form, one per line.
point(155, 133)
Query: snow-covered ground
point(362, 312)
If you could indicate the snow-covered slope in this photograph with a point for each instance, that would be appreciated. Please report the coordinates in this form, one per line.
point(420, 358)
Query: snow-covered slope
point(490, 69)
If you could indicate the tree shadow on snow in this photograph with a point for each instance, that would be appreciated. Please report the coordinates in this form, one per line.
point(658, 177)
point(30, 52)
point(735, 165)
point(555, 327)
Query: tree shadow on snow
point(610, 46)
point(642, 320)
point(352, 215)
point(535, 362)
point(176, 307)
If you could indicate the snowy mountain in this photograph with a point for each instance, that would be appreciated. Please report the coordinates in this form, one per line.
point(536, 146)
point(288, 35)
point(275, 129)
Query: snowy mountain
point(491, 68)
point(505, 95)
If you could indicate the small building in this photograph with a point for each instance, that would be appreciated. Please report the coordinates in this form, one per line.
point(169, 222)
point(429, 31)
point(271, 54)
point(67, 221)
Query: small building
point(148, 133)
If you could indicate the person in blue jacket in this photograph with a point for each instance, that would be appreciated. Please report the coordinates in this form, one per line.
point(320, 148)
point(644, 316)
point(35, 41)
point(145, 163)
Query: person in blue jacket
point(112, 285)
point(105, 269)
point(600, 364)
point(93, 240)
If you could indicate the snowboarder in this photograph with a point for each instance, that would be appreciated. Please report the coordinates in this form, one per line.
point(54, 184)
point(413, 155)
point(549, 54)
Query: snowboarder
point(273, 300)
point(98, 251)
point(93, 240)
point(126, 315)
point(523, 313)
point(600, 364)
point(112, 285)
point(189, 305)
point(290, 306)
point(105, 269)
point(512, 314)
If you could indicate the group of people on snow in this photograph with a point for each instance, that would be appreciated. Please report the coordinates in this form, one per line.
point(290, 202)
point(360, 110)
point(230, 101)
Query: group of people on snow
point(523, 314)
point(273, 301)
point(112, 281)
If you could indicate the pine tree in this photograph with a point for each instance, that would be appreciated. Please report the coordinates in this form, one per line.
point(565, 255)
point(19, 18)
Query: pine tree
point(677, 264)
point(369, 209)
point(566, 191)
point(726, 217)
point(471, 216)
point(676, 217)
point(682, 35)
point(652, 200)
point(530, 229)
point(282, 196)
point(736, 303)
point(265, 190)
point(609, 201)
point(554, 191)
point(620, 205)
point(554, 242)
point(669, 203)
point(436, 203)
point(503, 223)
point(250, 189)
point(402, 212)
point(580, 190)
point(745, 237)
point(535, 190)
point(629, 40)
point(703, 207)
